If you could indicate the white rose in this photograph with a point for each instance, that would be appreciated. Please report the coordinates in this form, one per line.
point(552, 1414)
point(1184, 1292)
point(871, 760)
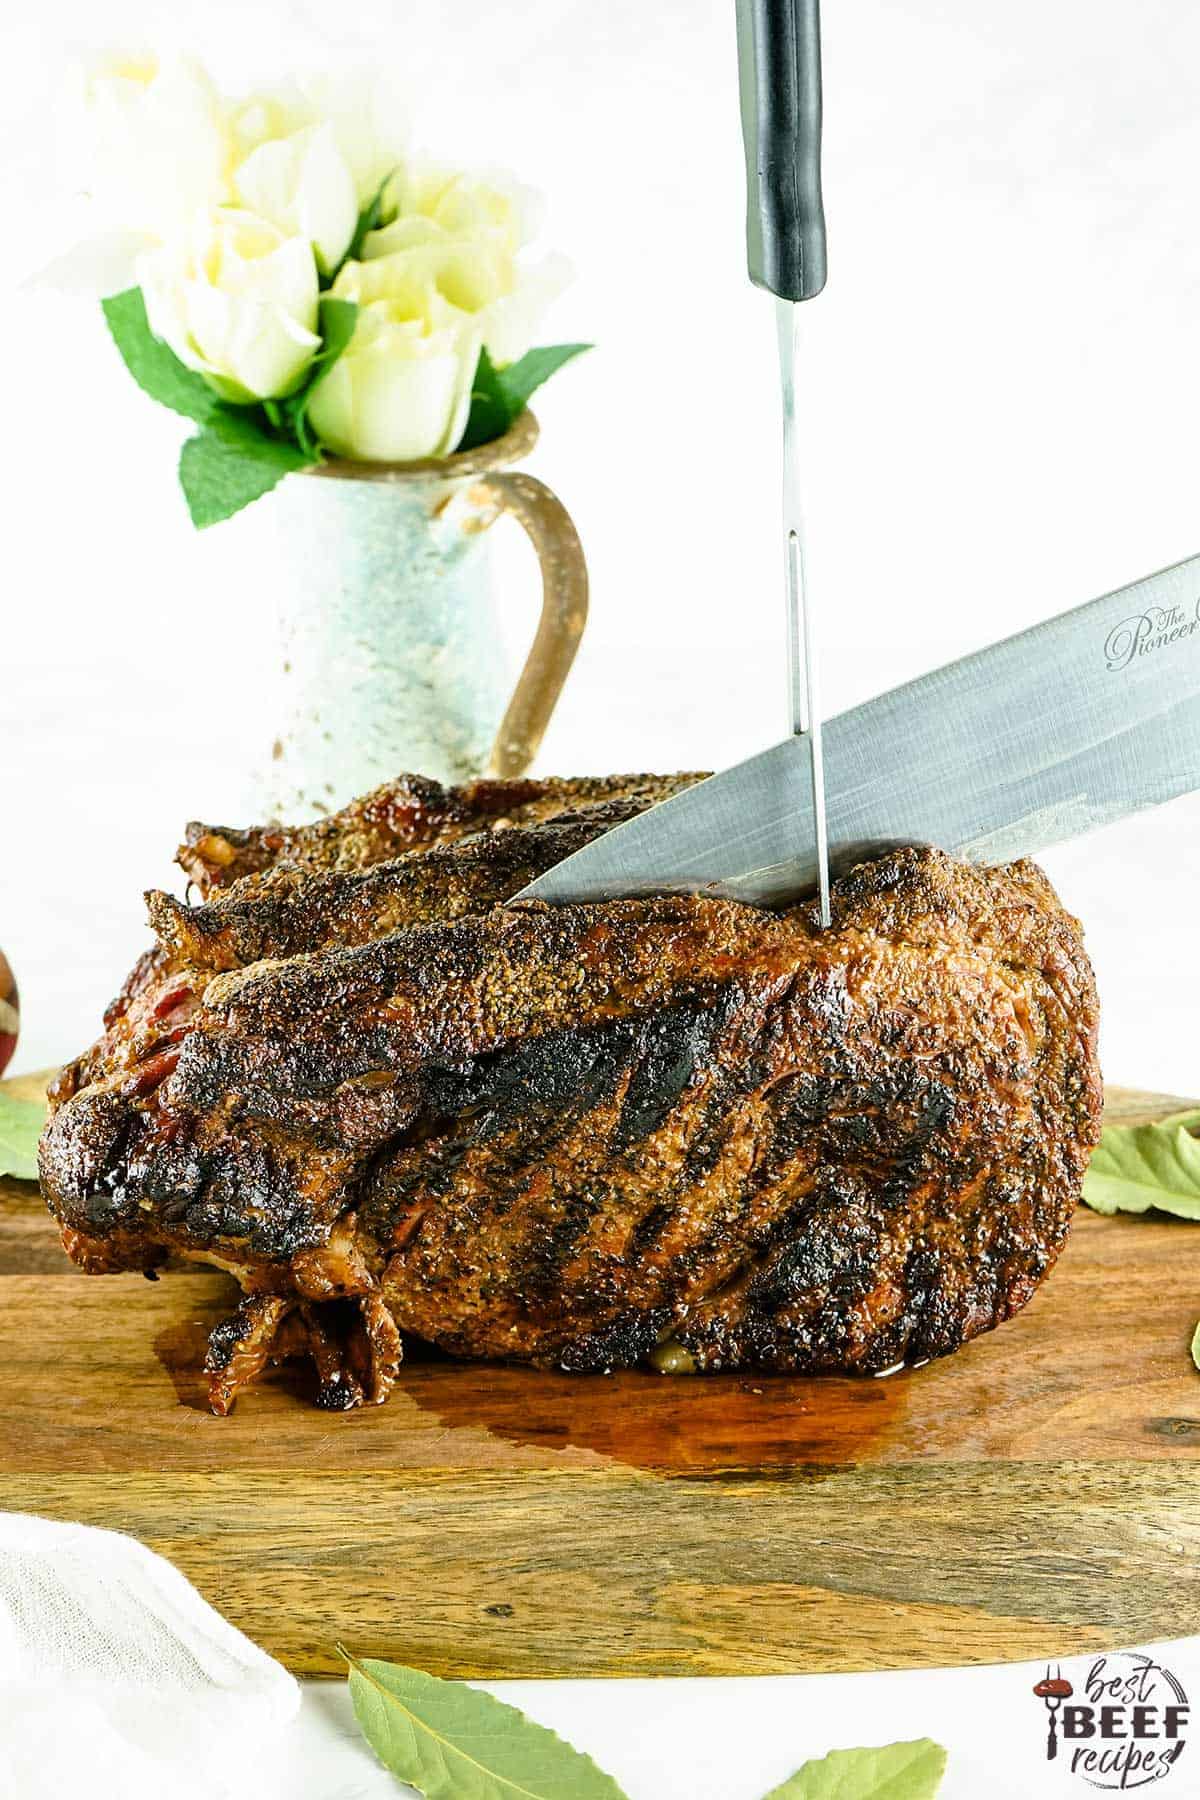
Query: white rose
point(368, 116)
point(466, 205)
point(362, 110)
point(302, 185)
point(401, 390)
point(160, 146)
point(238, 303)
point(512, 319)
point(464, 235)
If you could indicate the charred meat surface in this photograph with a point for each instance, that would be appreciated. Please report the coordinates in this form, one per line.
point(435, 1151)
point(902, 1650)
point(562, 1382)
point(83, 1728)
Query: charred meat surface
point(676, 1131)
point(410, 813)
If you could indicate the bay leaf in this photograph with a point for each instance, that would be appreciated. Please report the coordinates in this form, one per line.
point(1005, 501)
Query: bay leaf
point(911, 1771)
point(1136, 1167)
point(21, 1123)
point(452, 1742)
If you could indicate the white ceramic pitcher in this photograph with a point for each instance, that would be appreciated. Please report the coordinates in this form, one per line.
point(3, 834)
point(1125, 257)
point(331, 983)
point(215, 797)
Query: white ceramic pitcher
point(389, 650)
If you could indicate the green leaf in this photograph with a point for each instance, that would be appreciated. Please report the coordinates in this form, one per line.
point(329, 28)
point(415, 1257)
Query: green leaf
point(452, 1742)
point(21, 1123)
point(156, 369)
point(499, 396)
point(337, 321)
point(1135, 1167)
point(369, 219)
point(521, 379)
point(242, 451)
point(491, 411)
point(1190, 1119)
point(893, 1772)
point(230, 463)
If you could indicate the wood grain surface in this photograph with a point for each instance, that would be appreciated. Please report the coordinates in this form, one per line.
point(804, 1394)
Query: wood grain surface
point(1036, 1495)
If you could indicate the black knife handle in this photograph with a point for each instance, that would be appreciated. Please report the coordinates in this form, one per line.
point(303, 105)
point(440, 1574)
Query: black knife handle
point(779, 68)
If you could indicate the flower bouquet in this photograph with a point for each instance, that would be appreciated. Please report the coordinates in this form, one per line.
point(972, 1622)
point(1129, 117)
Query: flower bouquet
point(302, 286)
point(316, 299)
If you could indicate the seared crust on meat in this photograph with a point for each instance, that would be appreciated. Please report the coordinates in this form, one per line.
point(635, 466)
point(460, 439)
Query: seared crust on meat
point(677, 1130)
point(289, 911)
point(410, 813)
point(284, 890)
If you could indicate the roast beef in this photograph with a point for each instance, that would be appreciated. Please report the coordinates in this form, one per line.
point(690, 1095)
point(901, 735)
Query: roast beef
point(676, 1131)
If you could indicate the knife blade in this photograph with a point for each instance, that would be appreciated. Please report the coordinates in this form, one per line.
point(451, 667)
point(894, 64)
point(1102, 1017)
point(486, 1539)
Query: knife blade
point(1066, 727)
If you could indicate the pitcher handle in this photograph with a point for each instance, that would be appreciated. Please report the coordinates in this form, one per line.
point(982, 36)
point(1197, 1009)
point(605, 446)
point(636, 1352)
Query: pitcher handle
point(564, 614)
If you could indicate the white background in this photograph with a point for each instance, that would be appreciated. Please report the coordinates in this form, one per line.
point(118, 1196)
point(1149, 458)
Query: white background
point(1002, 393)
point(737, 1739)
point(1001, 398)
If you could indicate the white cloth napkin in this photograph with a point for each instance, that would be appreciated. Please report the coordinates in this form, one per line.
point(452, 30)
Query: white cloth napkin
point(118, 1681)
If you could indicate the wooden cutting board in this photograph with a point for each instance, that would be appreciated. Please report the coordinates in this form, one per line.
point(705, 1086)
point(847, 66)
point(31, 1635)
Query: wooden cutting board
point(1037, 1495)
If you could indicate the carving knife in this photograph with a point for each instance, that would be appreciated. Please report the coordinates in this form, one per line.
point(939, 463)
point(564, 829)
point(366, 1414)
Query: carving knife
point(1066, 727)
point(779, 71)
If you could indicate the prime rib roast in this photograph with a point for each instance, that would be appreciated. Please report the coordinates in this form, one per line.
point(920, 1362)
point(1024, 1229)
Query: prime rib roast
point(676, 1131)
